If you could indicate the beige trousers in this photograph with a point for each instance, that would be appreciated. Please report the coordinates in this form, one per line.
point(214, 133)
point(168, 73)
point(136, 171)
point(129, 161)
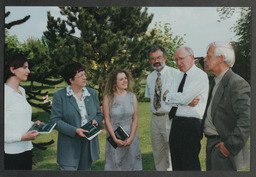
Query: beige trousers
point(160, 130)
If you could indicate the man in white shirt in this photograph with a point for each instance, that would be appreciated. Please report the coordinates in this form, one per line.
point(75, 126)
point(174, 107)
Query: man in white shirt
point(190, 84)
point(160, 123)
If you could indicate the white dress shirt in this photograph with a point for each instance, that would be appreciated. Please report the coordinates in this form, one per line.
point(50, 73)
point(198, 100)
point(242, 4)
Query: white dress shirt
point(167, 75)
point(17, 121)
point(80, 103)
point(196, 84)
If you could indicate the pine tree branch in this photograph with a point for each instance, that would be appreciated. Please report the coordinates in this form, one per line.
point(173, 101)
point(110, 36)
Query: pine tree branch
point(17, 22)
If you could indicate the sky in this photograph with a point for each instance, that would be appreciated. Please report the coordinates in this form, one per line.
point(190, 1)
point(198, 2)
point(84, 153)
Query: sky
point(198, 26)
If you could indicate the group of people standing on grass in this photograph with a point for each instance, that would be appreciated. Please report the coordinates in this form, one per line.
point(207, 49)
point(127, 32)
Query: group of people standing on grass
point(183, 108)
point(182, 104)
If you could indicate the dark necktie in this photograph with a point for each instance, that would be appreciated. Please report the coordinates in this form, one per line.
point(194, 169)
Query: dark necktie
point(180, 89)
point(158, 89)
point(208, 102)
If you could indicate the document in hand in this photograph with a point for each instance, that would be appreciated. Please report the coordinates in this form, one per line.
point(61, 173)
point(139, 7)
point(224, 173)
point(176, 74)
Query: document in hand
point(43, 128)
point(120, 134)
point(93, 130)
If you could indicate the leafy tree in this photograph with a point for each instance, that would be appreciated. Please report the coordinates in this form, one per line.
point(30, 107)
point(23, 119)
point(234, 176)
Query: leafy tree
point(39, 65)
point(168, 40)
point(12, 45)
point(110, 37)
point(242, 46)
point(41, 71)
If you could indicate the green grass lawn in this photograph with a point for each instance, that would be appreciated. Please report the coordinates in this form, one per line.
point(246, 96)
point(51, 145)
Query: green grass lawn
point(46, 159)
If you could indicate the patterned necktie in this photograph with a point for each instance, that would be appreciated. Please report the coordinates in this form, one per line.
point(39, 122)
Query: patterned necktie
point(158, 89)
point(180, 89)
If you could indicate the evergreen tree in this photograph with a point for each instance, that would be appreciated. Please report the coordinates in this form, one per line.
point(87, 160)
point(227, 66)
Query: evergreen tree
point(12, 45)
point(16, 22)
point(41, 71)
point(39, 63)
point(242, 46)
point(110, 37)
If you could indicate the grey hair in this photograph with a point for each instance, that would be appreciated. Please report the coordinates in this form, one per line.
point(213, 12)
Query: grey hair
point(188, 50)
point(226, 50)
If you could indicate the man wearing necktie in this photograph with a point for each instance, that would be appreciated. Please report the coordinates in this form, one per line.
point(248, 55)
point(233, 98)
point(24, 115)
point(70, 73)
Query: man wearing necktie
point(226, 122)
point(160, 123)
point(183, 94)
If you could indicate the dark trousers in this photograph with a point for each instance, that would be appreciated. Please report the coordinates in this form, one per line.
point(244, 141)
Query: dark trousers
point(185, 143)
point(22, 161)
point(85, 161)
point(215, 160)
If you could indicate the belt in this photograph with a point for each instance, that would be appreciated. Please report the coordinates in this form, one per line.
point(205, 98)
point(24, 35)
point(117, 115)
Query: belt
point(186, 118)
point(160, 114)
point(212, 136)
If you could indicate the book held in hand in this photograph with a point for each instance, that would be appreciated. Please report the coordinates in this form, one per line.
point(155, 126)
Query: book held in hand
point(43, 128)
point(120, 134)
point(93, 130)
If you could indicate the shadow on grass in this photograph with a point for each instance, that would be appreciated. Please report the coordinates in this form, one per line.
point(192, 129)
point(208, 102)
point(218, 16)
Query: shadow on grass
point(42, 157)
point(143, 85)
point(42, 116)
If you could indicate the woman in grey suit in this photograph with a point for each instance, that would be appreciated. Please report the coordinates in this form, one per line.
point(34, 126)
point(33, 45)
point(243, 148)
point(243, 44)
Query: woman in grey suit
point(72, 107)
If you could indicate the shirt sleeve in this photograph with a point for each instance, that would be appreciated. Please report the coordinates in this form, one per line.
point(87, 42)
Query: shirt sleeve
point(198, 86)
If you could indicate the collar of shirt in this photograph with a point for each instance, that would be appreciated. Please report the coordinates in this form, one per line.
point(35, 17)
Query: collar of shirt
point(219, 77)
point(163, 71)
point(70, 92)
point(10, 89)
point(191, 70)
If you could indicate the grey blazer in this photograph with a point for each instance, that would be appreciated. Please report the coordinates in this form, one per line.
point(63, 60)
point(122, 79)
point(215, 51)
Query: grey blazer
point(65, 113)
point(231, 116)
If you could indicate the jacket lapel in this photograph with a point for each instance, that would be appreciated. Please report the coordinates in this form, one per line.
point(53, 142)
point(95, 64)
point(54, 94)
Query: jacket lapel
point(73, 102)
point(220, 91)
point(216, 99)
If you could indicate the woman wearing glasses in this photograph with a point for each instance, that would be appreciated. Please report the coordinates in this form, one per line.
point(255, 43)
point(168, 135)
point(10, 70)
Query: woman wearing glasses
point(73, 107)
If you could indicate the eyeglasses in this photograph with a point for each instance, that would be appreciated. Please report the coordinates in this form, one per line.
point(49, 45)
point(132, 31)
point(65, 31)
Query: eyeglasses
point(157, 58)
point(80, 76)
